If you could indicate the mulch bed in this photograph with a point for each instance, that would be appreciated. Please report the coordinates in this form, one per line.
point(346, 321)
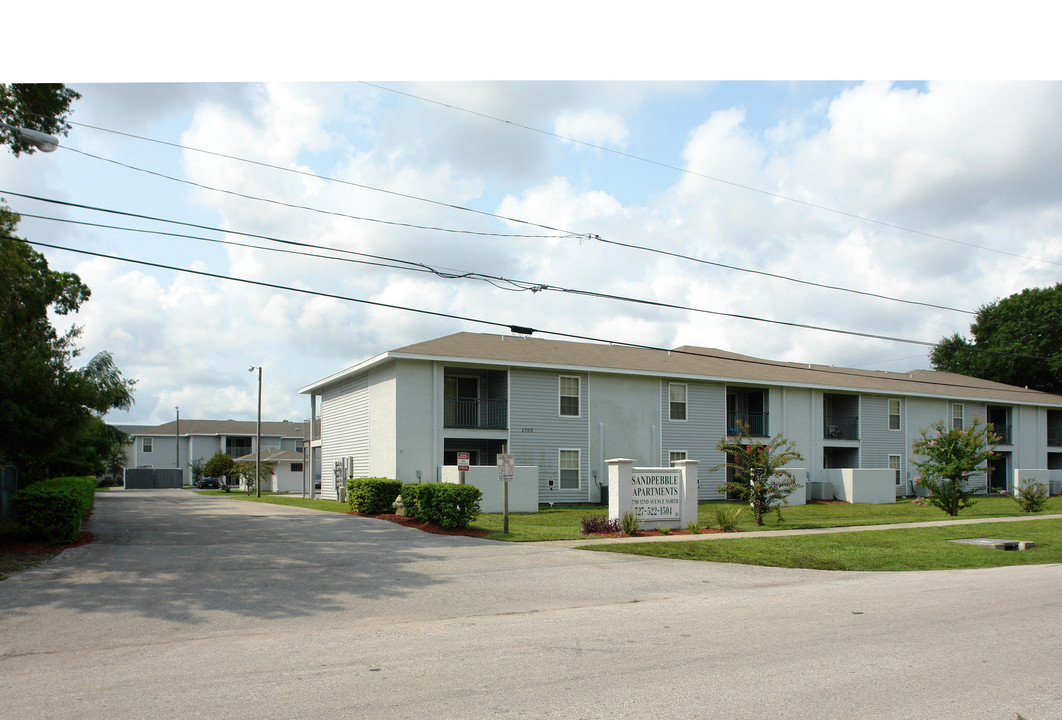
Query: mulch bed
point(18, 553)
point(428, 527)
point(653, 533)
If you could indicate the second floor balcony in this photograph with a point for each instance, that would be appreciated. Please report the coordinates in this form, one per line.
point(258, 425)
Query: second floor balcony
point(840, 427)
point(475, 413)
point(757, 423)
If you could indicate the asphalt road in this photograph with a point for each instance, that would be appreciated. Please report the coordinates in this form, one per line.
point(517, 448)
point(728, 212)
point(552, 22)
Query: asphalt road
point(205, 607)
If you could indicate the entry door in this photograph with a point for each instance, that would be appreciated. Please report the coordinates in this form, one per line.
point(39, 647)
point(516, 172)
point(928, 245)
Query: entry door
point(997, 472)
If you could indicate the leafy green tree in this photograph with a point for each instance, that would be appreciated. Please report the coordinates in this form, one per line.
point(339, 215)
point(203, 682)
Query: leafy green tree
point(1009, 336)
point(48, 409)
point(44, 107)
point(246, 473)
point(950, 456)
point(221, 466)
point(760, 477)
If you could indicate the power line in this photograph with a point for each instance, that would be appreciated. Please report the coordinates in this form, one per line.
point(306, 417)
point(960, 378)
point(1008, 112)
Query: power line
point(735, 268)
point(512, 327)
point(295, 206)
point(524, 285)
point(315, 176)
point(694, 173)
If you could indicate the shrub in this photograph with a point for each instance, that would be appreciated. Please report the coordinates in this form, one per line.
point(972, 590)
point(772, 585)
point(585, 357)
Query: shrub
point(1032, 496)
point(52, 509)
point(629, 522)
point(372, 496)
point(726, 517)
point(451, 506)
point(599, 525)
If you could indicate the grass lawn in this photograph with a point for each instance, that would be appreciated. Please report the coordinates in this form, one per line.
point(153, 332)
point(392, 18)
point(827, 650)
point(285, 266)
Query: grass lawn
point(904, 549)
point(563, 523)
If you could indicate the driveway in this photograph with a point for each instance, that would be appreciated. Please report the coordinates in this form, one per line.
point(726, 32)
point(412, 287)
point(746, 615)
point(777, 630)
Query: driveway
point(189, 606)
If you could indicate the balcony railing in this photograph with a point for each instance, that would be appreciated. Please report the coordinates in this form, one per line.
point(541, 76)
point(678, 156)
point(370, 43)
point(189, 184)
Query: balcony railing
point(476, 414)
point(1003, 433)
point(840, 427)
point(756, 422)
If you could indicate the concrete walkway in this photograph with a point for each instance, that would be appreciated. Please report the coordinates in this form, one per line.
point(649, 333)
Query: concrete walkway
point(808, 531)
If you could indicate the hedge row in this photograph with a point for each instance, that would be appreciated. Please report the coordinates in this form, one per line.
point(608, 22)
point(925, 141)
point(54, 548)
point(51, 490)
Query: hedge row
point(372, 495)
point(452, 506)
point(51, 510)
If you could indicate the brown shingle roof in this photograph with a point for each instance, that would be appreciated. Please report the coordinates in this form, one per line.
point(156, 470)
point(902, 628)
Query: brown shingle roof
point(225, 427)
point(709, 364)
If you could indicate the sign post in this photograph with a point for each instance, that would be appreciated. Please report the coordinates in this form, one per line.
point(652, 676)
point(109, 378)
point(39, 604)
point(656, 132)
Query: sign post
point(462, 466)
point(506, 472)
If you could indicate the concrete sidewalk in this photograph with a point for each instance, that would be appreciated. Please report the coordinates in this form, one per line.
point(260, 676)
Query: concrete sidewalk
point(776, 533)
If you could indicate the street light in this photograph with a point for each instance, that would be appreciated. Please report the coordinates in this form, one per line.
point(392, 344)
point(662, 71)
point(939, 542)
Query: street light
point(42, 141)
point(258, 435)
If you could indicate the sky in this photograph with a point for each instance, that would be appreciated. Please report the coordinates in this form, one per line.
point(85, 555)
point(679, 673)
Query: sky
point(715, 199)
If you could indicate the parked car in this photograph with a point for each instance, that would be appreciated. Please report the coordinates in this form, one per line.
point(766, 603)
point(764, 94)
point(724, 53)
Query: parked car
point(208, 483)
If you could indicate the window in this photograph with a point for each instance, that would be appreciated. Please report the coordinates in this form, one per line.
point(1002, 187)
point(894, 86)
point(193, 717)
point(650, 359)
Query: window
point(238, 446)
point(894, 464)
point(146, 445)
point(569, 396)
point(674, 456)
point(296, 467)
point(894, 414)
point(569, 470)
point(677, 399)
point(956, 416)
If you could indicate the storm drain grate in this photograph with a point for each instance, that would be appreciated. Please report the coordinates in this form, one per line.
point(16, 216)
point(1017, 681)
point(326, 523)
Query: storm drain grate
point(998, 544)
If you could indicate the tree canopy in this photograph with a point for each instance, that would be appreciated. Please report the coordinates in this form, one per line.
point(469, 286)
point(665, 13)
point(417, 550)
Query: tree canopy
point(43, 106)
point(1009, 337)
point(49, 411)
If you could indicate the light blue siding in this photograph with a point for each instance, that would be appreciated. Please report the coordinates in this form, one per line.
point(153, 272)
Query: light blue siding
point(538, 432)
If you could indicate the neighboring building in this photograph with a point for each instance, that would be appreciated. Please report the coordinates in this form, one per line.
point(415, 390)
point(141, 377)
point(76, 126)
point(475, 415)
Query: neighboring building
point(567, 407)
point(288, 469)
point(157, 446)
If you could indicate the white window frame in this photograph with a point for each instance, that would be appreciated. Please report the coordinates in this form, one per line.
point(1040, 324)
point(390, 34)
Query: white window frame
point(674, 456)
point(145, 445)
point(671, 402)
point(561, 468)
point(578, 396)
point(898, 414)
point(962, 420)
point(895, 464)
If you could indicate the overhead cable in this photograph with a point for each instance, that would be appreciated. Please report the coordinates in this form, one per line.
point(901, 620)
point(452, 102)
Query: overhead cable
point(521, 329)
point(686, 171)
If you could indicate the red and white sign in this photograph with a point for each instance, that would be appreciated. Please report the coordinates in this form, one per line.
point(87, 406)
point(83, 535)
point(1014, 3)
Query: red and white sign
point(462, 461)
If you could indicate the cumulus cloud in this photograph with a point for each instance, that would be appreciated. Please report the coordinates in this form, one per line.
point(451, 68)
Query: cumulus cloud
point(594, 127)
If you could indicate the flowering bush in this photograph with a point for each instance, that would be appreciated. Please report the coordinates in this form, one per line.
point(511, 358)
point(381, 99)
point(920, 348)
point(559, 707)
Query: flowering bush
point(759, 475)
point(951, 454)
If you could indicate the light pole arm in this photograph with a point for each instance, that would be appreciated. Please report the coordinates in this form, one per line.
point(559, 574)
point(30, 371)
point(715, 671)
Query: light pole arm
point(42, 141)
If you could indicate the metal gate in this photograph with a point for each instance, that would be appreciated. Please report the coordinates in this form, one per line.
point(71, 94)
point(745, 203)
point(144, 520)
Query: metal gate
point(147, 478)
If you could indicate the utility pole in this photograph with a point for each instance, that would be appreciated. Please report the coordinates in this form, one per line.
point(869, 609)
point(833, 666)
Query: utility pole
point(258, 436)
point(177, 441)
